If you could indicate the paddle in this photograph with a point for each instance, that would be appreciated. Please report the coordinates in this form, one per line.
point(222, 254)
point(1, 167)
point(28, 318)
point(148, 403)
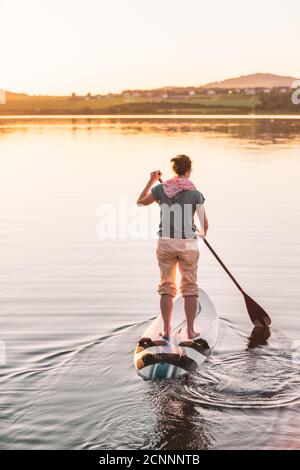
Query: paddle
point(256, 313)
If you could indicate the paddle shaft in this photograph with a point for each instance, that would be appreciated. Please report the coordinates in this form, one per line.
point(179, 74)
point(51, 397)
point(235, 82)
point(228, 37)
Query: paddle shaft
point(223, 266)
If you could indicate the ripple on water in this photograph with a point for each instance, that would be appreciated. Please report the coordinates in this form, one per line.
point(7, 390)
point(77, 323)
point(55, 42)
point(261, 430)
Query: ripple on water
point(261, 378)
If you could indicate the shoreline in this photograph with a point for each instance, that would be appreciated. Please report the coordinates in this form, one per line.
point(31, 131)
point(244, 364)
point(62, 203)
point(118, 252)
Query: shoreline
point(4, 117)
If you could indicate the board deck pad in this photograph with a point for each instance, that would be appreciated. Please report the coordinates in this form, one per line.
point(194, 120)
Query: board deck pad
point(156, 357)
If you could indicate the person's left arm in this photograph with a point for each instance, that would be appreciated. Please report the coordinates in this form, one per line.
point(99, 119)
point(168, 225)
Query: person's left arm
point(201, 213)
point(146, 198)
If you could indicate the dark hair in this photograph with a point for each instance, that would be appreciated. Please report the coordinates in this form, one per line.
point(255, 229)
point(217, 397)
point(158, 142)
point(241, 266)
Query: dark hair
point(181, 164)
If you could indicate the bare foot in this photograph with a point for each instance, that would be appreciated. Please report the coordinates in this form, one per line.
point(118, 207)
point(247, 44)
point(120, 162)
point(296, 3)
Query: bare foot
point(192, 334)
point(165, 335)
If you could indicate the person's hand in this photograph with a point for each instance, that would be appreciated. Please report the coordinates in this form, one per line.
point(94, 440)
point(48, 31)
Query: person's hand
point(154, 176)
point(200, 234)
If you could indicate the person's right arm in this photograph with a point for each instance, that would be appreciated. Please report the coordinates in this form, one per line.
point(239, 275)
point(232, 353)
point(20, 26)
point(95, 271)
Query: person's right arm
point(205, 223)
point(146, 197)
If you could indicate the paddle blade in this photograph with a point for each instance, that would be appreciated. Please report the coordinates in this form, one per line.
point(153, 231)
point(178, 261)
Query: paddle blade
point(257, 314)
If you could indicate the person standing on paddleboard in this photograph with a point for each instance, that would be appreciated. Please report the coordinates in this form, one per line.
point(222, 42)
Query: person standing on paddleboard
point(177, 244)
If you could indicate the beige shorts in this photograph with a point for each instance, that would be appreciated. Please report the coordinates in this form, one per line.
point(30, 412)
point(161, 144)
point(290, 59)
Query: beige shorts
point(171, 252)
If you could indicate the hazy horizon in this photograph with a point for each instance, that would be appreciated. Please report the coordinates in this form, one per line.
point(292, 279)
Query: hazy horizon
point(100, 46)
point(163, 86)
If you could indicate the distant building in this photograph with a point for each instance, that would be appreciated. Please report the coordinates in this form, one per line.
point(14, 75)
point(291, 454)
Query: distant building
point(192, 93)
point(250, 91)
point(129, 93)
point(211, 92)
point(262, 89)
point(178, 96)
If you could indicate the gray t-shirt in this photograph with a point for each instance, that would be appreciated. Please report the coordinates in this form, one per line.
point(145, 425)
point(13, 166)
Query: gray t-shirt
point(177, 213)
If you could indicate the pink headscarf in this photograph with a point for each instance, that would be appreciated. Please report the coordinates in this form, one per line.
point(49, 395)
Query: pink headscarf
point(177, 184)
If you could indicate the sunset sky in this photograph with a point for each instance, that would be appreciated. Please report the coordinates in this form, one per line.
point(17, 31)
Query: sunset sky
point(60, 46)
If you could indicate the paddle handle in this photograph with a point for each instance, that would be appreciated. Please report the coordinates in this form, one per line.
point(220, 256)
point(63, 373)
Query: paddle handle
point(223, 265)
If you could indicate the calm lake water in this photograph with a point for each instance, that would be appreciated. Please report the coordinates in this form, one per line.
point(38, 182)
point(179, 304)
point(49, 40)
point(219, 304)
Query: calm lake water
point(74, 304)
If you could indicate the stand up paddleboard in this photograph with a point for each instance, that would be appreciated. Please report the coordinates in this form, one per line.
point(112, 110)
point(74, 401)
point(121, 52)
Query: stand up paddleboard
point(157, 358)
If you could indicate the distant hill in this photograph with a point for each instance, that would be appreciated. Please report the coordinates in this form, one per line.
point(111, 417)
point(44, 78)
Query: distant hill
point(16, 96)
point(267, 80)
point(12, 93)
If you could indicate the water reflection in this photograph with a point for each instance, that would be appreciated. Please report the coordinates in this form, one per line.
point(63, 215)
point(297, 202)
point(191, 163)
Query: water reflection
point(259, 131)
point(259, 337)
point(177, 422)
